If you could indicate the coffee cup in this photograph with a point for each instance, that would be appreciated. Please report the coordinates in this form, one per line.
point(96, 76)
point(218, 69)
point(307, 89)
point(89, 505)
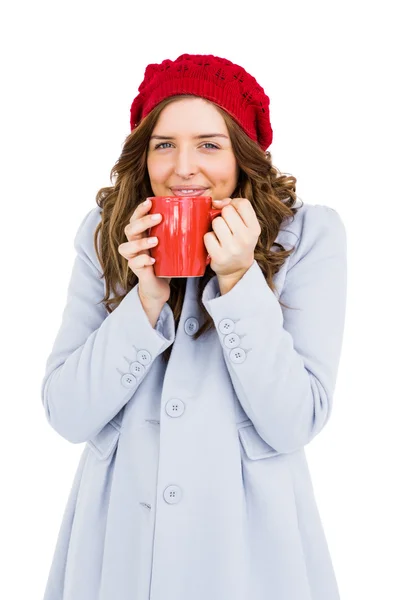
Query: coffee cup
point(181, 251)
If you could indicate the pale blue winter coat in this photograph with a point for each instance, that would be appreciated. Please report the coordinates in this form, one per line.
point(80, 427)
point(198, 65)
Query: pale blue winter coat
point(194, 483)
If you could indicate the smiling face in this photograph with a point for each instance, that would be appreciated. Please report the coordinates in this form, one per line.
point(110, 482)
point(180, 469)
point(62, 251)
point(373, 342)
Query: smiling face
point(183, 159)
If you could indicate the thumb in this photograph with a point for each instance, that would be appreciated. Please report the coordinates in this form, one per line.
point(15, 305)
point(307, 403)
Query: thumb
point(222, 202)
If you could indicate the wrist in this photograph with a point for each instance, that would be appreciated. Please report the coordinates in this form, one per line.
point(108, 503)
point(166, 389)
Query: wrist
point(149, 301)
point(152, 308)
point(227, 282)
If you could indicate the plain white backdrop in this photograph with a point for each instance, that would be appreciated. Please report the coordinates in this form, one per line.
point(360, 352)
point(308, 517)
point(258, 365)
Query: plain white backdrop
point(70, 72)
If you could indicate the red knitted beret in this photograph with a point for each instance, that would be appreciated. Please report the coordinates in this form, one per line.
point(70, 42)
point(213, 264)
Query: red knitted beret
point(216, 79)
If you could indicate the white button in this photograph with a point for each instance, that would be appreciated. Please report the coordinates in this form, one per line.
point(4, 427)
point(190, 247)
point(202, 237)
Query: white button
point(237, 355)
point(232, 340)
point(143, 357)
point(226, 326)
point(175, 407)
point(137, 369)
point(172, 494)
point(128, 380)
point(191, 325)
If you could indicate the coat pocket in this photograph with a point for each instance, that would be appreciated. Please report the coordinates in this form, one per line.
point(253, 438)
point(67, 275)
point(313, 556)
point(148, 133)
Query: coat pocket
point(103, 444)
point(253, 444)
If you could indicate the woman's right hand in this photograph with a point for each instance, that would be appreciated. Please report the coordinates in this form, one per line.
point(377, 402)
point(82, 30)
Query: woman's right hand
point(136, 251)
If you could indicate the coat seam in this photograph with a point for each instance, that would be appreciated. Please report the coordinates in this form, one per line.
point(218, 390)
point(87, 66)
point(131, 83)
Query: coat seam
point(290, 466)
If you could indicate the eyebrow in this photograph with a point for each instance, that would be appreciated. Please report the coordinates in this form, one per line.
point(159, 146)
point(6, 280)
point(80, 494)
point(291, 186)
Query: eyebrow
point(195, 137)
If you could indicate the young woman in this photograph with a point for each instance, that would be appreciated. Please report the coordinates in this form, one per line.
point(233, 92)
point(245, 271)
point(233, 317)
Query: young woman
point(196, 396)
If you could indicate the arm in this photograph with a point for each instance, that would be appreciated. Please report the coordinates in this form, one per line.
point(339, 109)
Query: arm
point(283, 363)
point(226, 284)
point(95, 366)
point(152, 310)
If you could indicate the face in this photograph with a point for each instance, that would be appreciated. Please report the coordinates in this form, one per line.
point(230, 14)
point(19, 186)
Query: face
point(183, 159)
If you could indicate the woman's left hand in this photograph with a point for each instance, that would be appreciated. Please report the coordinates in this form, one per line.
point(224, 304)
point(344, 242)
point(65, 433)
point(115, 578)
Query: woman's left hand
point(234, 237)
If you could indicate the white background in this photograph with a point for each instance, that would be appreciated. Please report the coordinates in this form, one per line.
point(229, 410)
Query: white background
point(70, 73)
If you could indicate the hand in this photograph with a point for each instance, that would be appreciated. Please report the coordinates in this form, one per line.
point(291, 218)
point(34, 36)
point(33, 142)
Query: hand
point(136, 251)
point(234, 237)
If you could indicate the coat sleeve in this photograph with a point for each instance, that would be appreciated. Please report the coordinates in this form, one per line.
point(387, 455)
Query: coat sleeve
point(98, 359)
point(283, 362)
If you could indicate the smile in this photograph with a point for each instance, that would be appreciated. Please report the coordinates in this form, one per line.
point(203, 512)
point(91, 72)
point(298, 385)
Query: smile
point(189, 192)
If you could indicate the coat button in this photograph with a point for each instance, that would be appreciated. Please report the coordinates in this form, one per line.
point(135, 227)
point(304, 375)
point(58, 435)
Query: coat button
point(237, 355)
point(226, 326)
point(191, 325)
point(175, 407)
point(172, 494)
point(232, 340)
point(143, 357)
point(128, 380)
point(136, 368)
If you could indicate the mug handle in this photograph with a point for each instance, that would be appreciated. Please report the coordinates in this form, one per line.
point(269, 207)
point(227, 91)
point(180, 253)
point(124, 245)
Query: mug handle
point(214, 212)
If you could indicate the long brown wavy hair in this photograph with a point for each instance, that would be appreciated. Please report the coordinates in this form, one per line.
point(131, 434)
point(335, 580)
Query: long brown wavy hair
point(271, 193)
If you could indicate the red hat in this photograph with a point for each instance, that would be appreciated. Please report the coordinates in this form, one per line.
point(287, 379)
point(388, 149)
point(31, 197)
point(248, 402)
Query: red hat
point(216, 79)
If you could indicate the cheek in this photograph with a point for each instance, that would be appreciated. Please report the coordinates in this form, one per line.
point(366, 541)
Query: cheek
point(157, 169)
point(224, 177)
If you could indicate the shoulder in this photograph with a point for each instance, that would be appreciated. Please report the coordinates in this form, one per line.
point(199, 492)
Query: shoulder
point(84, 237)
point(317, 228)
point(311, 218)
point(311, 222)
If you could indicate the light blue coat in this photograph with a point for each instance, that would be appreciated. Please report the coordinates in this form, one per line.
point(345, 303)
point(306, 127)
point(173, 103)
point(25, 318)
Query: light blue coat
point(193, 483)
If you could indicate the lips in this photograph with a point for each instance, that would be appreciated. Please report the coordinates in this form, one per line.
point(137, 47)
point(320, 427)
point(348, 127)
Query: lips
point(193, 193)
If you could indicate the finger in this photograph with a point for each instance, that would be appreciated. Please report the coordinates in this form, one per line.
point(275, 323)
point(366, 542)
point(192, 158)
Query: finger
point(222, 231)
point(139, 211)
point(238, 222)
point(246, 212)
point(143, 207)
point(135, 229)
point(129, 249)
point(213, 246)
point(221, 203)
point(140, 261)
point(229, 221)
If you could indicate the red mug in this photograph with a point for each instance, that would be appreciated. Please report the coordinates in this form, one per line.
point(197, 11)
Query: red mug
point(181, 251)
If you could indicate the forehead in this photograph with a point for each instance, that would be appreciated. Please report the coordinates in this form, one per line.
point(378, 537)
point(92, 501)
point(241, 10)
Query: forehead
point(190, 116)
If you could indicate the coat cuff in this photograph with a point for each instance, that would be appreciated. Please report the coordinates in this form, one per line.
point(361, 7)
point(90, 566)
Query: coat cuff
point(238, 304)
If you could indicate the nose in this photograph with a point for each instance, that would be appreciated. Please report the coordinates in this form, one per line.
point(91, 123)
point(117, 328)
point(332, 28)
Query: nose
point(185, 166)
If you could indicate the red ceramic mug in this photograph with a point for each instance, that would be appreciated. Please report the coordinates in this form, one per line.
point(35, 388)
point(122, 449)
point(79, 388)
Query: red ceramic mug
point(181, 251)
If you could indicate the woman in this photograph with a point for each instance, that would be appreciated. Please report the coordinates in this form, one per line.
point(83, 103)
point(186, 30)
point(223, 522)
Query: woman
point(197, 396)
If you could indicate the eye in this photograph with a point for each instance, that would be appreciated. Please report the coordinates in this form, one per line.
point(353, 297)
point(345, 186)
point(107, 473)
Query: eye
point(162, 144)
point(205, 144)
